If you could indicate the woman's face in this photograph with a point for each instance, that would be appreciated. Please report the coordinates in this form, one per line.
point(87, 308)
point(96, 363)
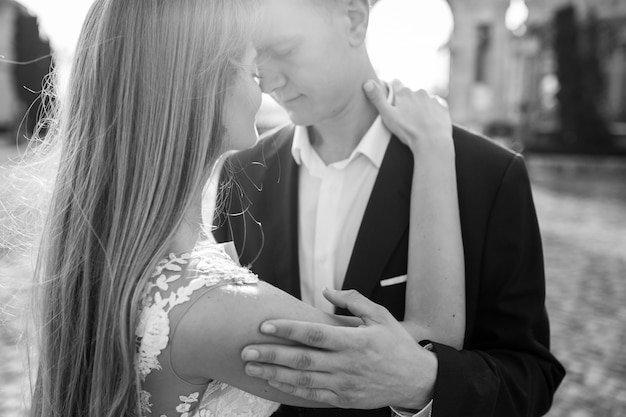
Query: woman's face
point(242, 103)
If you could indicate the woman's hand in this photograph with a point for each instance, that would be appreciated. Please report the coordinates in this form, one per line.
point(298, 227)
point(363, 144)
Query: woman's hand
point(418, 119)
point(435, 292)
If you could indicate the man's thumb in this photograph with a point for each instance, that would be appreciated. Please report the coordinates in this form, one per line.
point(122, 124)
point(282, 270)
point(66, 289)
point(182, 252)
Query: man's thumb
point(359, 305)
point(375, 93)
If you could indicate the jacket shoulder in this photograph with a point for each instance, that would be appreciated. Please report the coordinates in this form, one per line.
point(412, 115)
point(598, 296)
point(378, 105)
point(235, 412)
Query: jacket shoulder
point(470, 142)
point(478, 153)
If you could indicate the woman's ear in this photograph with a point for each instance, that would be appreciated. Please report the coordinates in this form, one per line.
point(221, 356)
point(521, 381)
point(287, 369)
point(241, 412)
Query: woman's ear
point(359, 14)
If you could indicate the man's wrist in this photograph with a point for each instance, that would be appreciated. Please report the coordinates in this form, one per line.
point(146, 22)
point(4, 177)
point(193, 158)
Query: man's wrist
point(426, 376)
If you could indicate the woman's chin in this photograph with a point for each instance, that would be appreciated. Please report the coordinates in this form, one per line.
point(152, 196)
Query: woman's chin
point(241, 142)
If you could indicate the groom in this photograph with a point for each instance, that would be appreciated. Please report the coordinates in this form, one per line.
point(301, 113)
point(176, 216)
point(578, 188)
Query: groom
point(282, 215)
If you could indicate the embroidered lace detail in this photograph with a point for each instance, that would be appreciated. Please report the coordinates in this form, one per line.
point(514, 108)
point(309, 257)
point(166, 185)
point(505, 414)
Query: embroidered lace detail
point(222, 400)
point(214, 268)
point(186, 403)
point(144, 401)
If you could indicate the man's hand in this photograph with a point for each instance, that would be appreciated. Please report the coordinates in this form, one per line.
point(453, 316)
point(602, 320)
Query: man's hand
point(374, 365)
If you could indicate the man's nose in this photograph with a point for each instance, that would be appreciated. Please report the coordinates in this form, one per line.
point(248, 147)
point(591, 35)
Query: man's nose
point(271, 79)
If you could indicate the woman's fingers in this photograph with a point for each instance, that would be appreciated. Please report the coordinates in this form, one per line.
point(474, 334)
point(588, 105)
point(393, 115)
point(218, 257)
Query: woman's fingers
point(416, 117)
point(376, 94)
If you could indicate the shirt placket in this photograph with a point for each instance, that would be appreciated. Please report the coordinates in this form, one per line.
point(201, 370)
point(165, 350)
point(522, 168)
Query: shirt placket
point(326, 232)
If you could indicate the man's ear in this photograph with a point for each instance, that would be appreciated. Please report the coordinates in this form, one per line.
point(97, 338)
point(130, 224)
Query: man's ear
point(359, 15)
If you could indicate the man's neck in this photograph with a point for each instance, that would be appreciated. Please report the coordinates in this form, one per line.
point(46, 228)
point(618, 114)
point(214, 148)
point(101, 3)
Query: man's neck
point(335, 139)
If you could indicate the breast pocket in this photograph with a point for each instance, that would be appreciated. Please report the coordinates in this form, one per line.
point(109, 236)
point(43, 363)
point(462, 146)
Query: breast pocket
point(388, 282)
point(391, 294)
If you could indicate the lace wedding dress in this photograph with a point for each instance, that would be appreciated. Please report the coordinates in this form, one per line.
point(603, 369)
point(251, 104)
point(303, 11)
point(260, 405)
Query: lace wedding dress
point(177, 282)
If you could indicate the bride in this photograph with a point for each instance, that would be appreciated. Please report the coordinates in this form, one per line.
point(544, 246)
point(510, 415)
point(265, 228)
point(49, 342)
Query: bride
point(138, 313)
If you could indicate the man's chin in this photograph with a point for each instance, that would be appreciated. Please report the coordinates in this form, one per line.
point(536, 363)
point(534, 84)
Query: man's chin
point(301, 119)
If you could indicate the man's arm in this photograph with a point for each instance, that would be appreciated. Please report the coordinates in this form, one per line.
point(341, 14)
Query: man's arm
point(506, 367)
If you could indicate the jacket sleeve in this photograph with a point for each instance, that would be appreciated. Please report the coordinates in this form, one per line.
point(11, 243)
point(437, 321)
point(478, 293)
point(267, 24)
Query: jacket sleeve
point(505, 368)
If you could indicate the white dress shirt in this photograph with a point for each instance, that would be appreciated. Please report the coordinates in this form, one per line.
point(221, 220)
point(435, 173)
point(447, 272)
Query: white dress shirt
point(332, 200)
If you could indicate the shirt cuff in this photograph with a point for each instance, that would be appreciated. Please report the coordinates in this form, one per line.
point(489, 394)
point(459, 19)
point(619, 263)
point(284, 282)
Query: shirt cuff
point(424, 412)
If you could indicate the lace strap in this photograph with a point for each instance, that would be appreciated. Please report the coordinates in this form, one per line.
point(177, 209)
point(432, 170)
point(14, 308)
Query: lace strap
point(215, 271)
point(209, 267)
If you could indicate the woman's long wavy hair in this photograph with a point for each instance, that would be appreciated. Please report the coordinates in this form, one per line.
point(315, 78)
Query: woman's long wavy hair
point(138, 132)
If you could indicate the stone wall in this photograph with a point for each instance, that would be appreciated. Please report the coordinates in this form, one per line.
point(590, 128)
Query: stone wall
point(9, 107)
point(514, 65)
point(476, 99)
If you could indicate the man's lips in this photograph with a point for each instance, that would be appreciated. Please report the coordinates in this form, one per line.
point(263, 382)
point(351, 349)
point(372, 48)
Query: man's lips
point(287, 101)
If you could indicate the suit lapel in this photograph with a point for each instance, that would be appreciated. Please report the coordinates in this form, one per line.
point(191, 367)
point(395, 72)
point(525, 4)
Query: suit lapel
point(385, 221)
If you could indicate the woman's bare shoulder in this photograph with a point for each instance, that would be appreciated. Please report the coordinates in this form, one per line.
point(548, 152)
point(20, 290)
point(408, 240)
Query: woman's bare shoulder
point(214, 330)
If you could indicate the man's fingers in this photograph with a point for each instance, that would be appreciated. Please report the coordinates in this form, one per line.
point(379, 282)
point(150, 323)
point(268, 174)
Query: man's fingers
point(290, 356)
point(360, 306)
point(317, 395)
point(314, 386)
point(321, 336)
point(305, 379)
point(376, 94)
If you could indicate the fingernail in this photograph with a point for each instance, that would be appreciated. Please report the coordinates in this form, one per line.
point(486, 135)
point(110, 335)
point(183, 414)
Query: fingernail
point(369, 86)
point(253, 370)
point(250, 355)
point(273, 383)
point(268, 328)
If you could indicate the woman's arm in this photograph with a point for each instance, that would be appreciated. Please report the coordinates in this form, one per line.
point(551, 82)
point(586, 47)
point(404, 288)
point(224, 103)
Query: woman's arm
point(208, 341)
point(435, 295)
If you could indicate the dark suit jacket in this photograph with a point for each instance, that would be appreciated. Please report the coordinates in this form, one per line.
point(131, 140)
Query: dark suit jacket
point(505, 368)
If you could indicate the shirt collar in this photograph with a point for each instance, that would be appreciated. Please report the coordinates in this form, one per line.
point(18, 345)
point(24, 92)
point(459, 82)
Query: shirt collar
point(373, 144)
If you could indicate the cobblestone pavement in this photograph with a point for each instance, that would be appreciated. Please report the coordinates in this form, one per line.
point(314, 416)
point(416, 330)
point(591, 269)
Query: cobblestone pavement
point(14, 277)
point(14, 281)
point(582, 213)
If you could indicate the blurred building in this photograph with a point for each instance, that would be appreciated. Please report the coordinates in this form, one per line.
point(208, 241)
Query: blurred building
point(25, 61)
point(502, 79)
point(8, 96)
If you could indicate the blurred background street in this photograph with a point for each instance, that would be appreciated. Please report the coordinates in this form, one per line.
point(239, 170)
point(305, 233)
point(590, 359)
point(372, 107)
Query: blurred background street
point(546, 78)
point(581, 214)
point(581, 206)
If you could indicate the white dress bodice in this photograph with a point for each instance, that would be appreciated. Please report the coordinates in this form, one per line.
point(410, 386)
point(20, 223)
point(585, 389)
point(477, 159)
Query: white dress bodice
point(177, 281)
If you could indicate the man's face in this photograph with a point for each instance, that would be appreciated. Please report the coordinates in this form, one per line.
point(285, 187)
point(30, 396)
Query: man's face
point(305, 59)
